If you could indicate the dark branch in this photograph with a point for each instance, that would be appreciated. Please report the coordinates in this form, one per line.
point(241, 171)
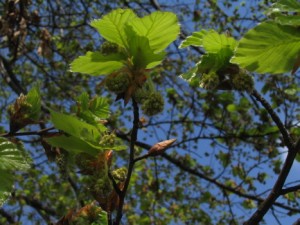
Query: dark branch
point(277, 188)
point(133, 139)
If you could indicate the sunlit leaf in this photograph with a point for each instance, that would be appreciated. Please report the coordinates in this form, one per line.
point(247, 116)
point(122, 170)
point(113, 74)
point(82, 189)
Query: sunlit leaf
point(140, 50)
point(161, 28)
point(213, 42)
point(99, 107)
point(195, 39)
point(72, 144)
point(111, 26)
point(75, 127)
point(268, 48)
point(95, 63)
point(34, 99)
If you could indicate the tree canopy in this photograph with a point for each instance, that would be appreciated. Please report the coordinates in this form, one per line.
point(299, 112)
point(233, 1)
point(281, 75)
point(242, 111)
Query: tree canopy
point(149, 112)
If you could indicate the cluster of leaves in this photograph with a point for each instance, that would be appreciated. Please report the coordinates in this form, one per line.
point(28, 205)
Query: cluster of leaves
point(139, 46)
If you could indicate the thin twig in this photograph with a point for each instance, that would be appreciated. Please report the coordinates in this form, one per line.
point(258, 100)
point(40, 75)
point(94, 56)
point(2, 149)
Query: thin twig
point(27, 133)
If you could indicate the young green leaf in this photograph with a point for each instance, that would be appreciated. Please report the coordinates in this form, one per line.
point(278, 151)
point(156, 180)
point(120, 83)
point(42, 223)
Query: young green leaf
point(142, 54)
point(111, 26)
point(72, 144)
point(213, 42)
point(75, 127)
point(34, 99)
point(161, 28)
point(268, 48)
point(99, 107)
point(12, 158)
point(195, 39)
point(95, 63)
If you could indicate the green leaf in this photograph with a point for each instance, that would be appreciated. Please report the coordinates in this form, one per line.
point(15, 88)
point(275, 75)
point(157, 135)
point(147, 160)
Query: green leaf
point(73, 144)
point(289, 6)
point(214, 42)
point(12, 158)
point(142, 54)
point(95, 63)
point(99, 107)
point(285, 12)
point(161, 28)
point(190, 73)
point(34, 99)
point(83, 101)
point(288, 20)
point(268, 48)
point(111, 26)
point(102, 218)
point(6, 185)
point(75, 127)
point(231, 108)
point(214, 61)
point(195, 39)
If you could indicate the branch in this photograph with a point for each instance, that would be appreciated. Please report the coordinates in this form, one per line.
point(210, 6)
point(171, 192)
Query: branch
point(285, 134)
point(27, 133)
point(115, 185)
point(9, 76)
point(133, 139)
point(277, 188)
point(203, 176)
point(290, 189)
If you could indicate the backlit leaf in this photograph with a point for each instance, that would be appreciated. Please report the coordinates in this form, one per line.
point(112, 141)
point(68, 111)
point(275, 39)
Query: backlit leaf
point(95, 63)
point(140, 50)
point(161, 28)
point(213, 42)
point(72, 144)
point(75, 127)
point(195, 39)
point(111, 26)
point(268, 48)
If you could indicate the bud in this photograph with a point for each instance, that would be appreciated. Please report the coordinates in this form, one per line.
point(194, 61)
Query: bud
point(160, 147)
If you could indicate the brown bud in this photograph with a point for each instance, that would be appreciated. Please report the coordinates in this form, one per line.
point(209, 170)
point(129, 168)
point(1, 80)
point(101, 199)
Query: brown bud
point(160, 147)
